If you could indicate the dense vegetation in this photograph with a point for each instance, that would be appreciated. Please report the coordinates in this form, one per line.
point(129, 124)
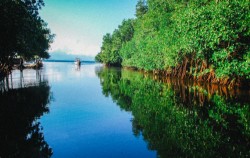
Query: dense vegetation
point(23, 33)
point(200, 39)
point(178, 120)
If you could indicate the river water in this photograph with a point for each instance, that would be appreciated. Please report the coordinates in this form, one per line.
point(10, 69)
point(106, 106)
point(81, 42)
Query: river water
point(93, 111)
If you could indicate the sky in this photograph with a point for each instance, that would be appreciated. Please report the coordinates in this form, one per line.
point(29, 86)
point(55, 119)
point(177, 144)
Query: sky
point(79, 25)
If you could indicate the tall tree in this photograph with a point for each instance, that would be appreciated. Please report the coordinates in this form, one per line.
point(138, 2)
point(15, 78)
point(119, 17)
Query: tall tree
point(200, 39)
point(141, 8)
point(112, 43)
point(22, 31)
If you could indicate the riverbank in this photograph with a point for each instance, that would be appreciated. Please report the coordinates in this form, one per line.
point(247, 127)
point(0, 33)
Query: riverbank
point(206, 42)
point(182, 72)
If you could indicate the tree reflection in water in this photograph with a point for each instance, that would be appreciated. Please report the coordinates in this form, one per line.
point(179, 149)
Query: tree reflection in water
point(182, 120)
point(20, 132)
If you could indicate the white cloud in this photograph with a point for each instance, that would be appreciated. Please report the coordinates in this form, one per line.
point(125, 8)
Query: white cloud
point(74, 45)
point(80, 25)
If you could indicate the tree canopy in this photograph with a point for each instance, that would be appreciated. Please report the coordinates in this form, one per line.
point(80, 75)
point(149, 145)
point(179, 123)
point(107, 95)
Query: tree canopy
point(112, 44)
point(205, 40)
point(22, 31)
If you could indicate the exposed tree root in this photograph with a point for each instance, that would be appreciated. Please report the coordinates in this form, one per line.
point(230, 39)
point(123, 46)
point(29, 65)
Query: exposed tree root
point(200, 71)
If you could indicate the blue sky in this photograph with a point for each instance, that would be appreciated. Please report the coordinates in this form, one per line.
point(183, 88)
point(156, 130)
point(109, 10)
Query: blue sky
point(79, 25)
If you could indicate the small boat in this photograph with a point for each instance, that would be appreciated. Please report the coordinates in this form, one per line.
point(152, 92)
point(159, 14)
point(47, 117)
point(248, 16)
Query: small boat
point(33, 64)
point(19, 63)
point(78, 62)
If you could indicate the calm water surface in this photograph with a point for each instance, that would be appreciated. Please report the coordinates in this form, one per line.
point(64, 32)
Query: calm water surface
point(93, 111)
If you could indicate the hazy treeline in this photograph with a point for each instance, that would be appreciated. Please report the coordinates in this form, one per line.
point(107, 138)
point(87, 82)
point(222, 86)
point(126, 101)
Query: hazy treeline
point(200, 39)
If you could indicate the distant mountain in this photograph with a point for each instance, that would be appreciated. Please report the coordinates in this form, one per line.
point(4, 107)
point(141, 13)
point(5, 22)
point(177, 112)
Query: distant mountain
point(69, 57)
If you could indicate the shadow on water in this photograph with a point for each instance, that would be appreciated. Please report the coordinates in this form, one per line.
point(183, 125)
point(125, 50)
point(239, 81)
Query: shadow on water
point(22, 104)
point(182, 119)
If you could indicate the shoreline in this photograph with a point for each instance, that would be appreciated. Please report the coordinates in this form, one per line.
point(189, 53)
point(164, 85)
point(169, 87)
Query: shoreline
point(208, 78)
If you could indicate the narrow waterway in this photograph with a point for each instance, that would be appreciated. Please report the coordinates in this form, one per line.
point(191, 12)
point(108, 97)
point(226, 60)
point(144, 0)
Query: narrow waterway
point(93, 111)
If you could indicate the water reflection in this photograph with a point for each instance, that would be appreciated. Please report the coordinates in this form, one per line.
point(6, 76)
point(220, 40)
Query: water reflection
point(20, 79)
point(24, 99)
point(77, 67)
point(180, 119)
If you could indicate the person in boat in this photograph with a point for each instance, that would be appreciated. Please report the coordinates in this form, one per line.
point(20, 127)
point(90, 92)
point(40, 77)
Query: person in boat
point(78, 62)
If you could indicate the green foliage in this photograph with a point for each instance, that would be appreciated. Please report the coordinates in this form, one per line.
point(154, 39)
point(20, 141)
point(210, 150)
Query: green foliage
point(217, 33)
point(168, 32)
point(141, 8)
point(23, 32)
point(111, 45)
